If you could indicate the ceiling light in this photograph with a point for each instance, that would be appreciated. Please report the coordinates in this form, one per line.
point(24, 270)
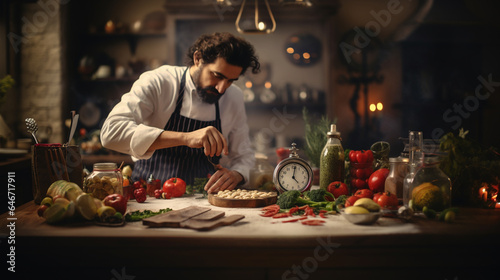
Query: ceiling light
point(255, 18)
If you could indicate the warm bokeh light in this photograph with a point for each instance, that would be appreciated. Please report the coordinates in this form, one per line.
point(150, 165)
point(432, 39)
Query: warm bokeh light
point(268, 85)
point(290, 50)
point(373, 107)
point(248, 84)
point(306, 55)
point(261, 26)
point(296, 56)
point(380, 106)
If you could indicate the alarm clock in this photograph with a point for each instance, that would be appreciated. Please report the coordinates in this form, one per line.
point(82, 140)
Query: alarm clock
point(293, 173)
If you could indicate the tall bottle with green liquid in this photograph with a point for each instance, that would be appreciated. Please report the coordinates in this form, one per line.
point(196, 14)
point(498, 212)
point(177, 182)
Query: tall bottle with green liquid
point(332, 159)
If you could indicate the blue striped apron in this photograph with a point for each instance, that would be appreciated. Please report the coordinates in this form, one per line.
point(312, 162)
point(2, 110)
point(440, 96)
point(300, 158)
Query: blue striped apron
point(181, 161)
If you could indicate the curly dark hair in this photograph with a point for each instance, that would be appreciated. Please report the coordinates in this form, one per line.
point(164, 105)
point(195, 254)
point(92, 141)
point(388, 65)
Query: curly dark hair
point(235, 50)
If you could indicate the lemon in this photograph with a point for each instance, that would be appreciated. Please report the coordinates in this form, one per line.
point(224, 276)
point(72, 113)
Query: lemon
point(47, 201)
point(368, 204)
point(85, 205)
point(105, 212)
point(356, 210)
point(55, 213)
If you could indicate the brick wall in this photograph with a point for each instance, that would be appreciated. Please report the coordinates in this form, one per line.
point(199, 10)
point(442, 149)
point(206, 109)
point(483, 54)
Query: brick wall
point(41, 77)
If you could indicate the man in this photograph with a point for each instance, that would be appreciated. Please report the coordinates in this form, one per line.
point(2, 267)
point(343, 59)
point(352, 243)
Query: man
point(175, 120)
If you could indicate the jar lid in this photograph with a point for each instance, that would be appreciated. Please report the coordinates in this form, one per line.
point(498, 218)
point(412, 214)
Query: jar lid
point(105, 166)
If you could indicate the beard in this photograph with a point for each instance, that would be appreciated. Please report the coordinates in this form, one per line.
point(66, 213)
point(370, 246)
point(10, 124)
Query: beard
point(208, 94)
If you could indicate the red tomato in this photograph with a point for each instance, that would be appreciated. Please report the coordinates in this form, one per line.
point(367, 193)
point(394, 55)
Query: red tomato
point(376, 196)
point(338, 188)
point(369, 156)
point(376, 182)
point(175, 186)
point(352, 156)
point(350, 200)
point(359, 173)
point(361, 157)
point(364, 193)
point(282, 153)
point(358, 184)
point(387, 200)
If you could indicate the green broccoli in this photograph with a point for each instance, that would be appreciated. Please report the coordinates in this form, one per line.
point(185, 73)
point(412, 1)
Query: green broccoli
point(290, 199)
point(318, 195)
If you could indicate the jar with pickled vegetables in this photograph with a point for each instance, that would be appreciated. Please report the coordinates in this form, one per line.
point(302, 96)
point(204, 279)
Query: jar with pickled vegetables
point(431, 187)
point(104, 180)
point(332, 163)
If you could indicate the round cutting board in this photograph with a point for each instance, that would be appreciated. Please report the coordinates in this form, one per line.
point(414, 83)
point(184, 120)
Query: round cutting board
point(241, 203)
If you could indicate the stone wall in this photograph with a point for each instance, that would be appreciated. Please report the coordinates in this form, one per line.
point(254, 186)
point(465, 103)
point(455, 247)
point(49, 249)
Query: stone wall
point(41, 77)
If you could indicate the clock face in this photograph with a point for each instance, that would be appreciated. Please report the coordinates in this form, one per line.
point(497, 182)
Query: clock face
point(293, 176)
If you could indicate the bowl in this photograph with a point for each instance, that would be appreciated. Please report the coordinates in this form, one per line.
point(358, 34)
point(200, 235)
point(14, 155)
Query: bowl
point(361, 219)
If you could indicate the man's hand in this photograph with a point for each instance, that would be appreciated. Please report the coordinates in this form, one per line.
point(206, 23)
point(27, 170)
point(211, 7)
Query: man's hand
point(208, 138)
point(223, 179)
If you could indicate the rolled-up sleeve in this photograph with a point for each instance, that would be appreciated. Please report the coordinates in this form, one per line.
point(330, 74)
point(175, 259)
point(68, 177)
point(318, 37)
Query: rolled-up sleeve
point(135, 122)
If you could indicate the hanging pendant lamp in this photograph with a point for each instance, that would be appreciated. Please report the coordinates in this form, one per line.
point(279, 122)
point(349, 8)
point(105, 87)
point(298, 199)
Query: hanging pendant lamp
point(259, 20)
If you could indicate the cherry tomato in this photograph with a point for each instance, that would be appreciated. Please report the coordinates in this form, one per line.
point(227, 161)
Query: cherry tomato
point(387, 200)
point(338, 188)
point(369, 155)
point(361, 157)
point(352, 156)
point(364, 193)
point(376, 182)
point(358, 184)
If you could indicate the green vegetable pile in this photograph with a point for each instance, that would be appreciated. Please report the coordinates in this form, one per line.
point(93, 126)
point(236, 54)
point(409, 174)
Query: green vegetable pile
point(315, 198)
point(139, 215)
point(197, 187)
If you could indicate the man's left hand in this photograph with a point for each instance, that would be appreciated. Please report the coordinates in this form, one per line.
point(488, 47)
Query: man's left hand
point(223, 179)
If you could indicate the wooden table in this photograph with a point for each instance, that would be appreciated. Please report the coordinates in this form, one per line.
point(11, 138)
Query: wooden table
point(258, 247)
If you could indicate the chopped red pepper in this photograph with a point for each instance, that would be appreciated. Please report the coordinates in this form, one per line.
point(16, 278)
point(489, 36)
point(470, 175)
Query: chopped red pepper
point(280, 215)
point(294, 220)
point(313, 222)
point(322, 215)
point(293, 210)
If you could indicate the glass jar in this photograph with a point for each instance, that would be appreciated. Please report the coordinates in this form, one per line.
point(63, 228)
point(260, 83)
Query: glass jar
point(431, 187)
point(381, 152)
point(359, 174)
point(261, 175)
point(332, 164)
point(398, 169)
point(104, 180)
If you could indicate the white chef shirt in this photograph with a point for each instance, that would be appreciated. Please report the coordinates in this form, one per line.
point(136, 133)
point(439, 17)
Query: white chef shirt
point(141, 115)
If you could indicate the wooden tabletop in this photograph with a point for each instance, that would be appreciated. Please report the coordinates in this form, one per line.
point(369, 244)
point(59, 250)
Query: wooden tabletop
point(261, 248)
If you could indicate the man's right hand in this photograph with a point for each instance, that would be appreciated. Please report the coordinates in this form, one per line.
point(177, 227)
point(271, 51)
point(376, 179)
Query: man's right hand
point(208, 138)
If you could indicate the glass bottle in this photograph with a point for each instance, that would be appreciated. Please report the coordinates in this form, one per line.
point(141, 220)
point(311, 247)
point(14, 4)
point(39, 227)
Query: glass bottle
point(415, 160)
point(104, 180)
point(431, 187)
point(261, 175)
point(332, 159)
point(398, 169)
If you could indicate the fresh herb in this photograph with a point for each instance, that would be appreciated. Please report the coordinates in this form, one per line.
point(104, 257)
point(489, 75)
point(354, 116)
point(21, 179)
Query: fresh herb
point(468, 164)
point(197, 187)
point(142, 214)
point(315, 136)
